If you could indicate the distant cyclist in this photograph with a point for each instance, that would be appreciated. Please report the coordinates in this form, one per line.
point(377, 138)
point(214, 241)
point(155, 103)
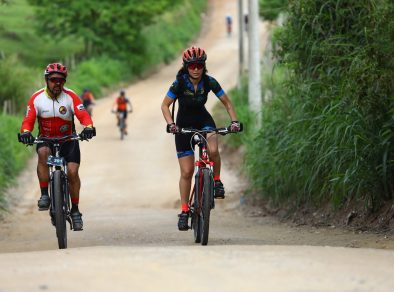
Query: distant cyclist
point(191, 88)
point(229, 24)
point(122, 105)
point(54, 108)
point(88, 100)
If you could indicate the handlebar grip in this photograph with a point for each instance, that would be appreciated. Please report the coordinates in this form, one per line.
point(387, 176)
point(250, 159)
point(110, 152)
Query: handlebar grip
point(19, 137)
point(241, 128)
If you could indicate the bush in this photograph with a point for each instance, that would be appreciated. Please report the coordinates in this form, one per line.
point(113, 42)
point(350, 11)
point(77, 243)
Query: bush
point(270, 9)
point(13, 155)
point(16, 83)
point(328, 134)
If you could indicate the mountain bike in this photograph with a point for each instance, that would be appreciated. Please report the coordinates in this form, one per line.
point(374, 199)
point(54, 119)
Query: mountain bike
point(201, 200)
point(121, 123)
point(59, 210)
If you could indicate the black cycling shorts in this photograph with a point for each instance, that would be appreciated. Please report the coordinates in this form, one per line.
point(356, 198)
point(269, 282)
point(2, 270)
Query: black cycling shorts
point(183, 143)
point(68, 150)
point(124, 112)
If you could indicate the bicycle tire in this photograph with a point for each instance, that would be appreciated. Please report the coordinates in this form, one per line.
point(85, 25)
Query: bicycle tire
point(60, 215)
point(121, 128)
point(196, 226)
point(207, 193)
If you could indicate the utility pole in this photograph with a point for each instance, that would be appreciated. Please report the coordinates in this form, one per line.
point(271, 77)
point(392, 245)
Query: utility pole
point(255, 103)
point(241, 41)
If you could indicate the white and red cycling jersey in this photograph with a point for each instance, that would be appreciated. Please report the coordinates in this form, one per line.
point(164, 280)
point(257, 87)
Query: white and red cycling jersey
point(55, 116)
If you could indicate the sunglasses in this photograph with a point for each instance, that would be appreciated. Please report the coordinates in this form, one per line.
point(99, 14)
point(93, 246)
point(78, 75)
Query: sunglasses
point(57, 80)
point(194, 66)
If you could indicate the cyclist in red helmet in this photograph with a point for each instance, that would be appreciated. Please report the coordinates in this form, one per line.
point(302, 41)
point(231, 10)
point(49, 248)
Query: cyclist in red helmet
point(191, 88)
point(54, 108)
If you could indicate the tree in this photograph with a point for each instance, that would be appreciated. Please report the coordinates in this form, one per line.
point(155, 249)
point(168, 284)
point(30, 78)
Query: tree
point(110, 26)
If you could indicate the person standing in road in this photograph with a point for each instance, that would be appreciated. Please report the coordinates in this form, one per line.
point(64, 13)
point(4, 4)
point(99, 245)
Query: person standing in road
point(54, 108)
point(191, 88)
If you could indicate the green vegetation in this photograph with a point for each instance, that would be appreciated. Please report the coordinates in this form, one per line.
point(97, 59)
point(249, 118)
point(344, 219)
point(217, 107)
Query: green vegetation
point(18, 37)
point(327, 133)
point(25, 52)
point(103, 26)
point(158, 42)
point(270, 9)
point(13, 155)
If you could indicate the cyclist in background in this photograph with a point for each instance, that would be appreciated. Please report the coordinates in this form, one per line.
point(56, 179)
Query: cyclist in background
point(88, 100)
point(122, 105)
point(191, 88)
point(229, 24)
point(54, 108)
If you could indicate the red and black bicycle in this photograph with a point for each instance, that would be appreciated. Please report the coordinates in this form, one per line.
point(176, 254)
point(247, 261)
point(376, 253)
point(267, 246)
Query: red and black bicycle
point(201, 200)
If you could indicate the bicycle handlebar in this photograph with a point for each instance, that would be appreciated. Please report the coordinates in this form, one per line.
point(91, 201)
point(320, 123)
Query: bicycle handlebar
point(222, 131)
point(39, 140)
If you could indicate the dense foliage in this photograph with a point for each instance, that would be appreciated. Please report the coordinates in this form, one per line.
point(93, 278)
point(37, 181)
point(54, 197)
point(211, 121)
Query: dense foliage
point(16, 82)
point(328, 134)
point(105, 26)
point(270, 9)
point(12, 154)
point(160, 41)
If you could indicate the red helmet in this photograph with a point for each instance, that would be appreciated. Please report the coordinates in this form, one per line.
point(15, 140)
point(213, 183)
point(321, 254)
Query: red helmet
point(194, 54)
point(55, 68)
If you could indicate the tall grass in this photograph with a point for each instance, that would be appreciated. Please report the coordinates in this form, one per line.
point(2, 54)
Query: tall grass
point(13, 155)
point(327, 133)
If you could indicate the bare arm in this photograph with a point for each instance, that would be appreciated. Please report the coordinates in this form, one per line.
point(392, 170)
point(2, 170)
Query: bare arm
point(229, 107)
point(165, 109)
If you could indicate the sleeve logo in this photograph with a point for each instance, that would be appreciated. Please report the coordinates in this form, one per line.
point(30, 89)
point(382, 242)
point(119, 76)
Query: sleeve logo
point(80, 107)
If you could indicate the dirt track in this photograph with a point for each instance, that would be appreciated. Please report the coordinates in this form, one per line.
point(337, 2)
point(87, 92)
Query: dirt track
point(129, 199)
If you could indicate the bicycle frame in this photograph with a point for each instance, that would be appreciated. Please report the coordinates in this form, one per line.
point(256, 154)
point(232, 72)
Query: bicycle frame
point(201, 162)
point(56, 162)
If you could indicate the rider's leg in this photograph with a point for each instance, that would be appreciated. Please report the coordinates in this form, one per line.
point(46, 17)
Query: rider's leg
point(186, 165)
point(215, 157)
point(43, 177)
point(214, 153)
point(74, 183)
point(125, 126)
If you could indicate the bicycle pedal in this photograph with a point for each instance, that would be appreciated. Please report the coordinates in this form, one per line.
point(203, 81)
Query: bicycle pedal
point(43, 209)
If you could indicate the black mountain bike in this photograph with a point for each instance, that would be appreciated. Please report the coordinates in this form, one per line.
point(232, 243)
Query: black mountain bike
point(202, 200)
point(121, 123)
point(59, 210)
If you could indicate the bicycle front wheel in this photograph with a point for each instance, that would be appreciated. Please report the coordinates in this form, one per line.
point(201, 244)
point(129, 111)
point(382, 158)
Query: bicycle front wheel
point(196, 222)
point(122, 128)
point(60, 212)
point(206, 202)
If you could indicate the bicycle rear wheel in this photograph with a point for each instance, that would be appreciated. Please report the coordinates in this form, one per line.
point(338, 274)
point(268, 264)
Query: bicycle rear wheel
point(121, 128)
point(60, 212)
point(206, 202)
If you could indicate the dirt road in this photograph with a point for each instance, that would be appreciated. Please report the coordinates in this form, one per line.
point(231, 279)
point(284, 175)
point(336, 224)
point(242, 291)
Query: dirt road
point(129, 199)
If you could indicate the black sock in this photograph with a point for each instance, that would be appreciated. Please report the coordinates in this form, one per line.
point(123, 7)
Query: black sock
point(44, 191)
point(74, 208)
